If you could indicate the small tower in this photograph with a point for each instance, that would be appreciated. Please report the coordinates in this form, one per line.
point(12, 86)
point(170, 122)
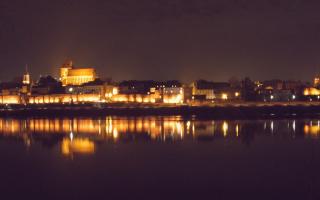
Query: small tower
point(26, 77)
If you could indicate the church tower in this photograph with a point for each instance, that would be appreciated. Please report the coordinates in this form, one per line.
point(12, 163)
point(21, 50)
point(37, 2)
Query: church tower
point(26, 77)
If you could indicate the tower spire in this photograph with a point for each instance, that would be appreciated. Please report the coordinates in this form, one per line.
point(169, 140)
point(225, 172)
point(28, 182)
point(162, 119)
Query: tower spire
point(27, 71)
point(26, 76)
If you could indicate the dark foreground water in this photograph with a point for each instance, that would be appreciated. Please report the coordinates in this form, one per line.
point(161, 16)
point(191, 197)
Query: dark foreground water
point(159, 158)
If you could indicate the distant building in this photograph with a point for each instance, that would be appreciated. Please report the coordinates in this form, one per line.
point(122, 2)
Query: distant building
point(280, 90)
point(104, 89)
point(171, 92)
point(203, 90)
point(209, 91)
point(11, 93)
point(150, 92)
point(47, 85)
point(70, 75)
point(274, 84)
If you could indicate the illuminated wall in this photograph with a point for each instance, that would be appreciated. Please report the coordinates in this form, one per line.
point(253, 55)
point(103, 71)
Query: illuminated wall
point(64, 98)
point(136, 98)
point(174, 96)
point(10, 99)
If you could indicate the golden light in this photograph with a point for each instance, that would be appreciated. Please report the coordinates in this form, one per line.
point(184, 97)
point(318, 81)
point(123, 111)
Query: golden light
point(237, 94)
point(69, 75)
point(311, 91)
point(115, 91)
point(78, 145)
point(225, 128)
point(224, 96)
point(115, 133)
point(10, 99)
point(237, 130)
point(188, 126)
point(312, 130)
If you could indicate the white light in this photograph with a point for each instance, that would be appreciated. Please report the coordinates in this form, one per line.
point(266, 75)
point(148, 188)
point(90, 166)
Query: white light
point(70, 89)
point(271, 97)
point(224, 96)
point(293, 97)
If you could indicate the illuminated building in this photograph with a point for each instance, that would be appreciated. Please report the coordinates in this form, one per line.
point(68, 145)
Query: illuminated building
point(203, 90)
point(311, 92)
point(172, 95)
point(96, 87)
point(170, 92)
point(150, 92)
point(70, 75)
point(11, 93)
point(206, 90)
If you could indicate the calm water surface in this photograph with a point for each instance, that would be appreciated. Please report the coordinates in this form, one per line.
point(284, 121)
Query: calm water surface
point(159, 158)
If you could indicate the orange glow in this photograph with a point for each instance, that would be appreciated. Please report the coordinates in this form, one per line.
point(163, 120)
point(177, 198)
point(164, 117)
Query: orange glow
point(225, 128)
point(312, 130)
point(64, 98)
point(311, 91)
point(10, 99)
point(224, 96)
point(115, 129)
point(177, 98)
point(81, 146)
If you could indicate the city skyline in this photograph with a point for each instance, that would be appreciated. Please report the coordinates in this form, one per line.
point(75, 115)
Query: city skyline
point(163, 40)
point(56, 75)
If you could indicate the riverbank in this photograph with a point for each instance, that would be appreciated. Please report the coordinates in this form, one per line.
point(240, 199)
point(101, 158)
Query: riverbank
point(214, 111)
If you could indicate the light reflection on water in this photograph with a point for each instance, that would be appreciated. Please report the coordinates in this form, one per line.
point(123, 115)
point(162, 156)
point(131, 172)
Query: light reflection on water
point(79, 135)
point(136, 157)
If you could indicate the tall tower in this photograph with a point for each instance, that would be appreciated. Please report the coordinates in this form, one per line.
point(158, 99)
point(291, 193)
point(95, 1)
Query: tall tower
point(64, 71)
point(26, 77)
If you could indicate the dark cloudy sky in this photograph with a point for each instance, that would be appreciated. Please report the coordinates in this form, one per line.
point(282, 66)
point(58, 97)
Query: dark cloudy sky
point(163, 39)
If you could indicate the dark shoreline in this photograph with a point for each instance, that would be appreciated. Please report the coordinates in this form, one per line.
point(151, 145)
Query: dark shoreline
point(201, 112)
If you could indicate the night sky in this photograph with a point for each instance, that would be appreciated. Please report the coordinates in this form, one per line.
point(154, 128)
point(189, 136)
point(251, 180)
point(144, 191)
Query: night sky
point(163, 39)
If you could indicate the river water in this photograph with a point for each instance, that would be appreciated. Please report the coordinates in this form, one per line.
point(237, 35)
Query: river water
point(159, 158)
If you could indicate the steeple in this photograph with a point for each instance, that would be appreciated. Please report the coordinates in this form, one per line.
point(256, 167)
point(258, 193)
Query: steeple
point(26, 77)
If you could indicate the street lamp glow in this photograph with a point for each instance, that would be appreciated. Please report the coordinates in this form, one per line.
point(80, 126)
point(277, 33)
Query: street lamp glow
point(224, 96)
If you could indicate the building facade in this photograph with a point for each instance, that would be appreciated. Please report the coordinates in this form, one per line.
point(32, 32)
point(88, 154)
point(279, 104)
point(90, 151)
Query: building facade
point(70, 75)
